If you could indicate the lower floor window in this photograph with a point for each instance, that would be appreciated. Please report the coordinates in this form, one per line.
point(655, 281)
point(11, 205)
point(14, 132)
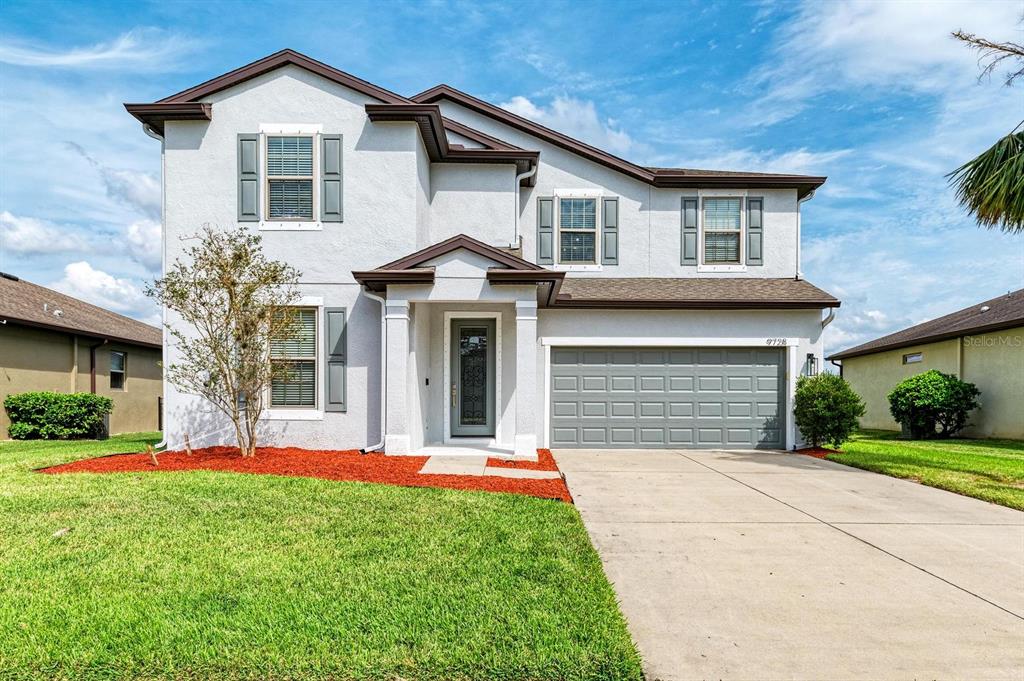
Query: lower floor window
point(294, 382)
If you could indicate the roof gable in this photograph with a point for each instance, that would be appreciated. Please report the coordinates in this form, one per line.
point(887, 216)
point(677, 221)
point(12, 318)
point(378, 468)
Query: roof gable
point(461, 241)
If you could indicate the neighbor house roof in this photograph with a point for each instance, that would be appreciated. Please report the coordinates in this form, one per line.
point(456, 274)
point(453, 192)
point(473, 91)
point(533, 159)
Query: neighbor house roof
point(692, 293)
point(26, 303)
point(1004, 312)
point(424, 110)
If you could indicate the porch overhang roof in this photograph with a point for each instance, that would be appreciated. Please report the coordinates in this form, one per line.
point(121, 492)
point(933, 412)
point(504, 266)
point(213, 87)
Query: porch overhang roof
point(509, 269)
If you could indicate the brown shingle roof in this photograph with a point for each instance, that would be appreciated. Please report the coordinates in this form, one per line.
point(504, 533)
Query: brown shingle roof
point(27, 303)
point(692, 293)
point(1003, 312)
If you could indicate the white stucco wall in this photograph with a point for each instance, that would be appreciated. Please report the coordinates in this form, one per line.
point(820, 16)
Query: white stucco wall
point(473, 199)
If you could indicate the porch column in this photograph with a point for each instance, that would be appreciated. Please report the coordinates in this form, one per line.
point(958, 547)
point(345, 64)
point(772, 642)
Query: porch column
point(526, 379)
point(396, 438)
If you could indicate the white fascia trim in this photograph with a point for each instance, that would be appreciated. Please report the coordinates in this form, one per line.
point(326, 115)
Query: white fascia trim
point(661, 342)
point(576, 268)
point(291, 128)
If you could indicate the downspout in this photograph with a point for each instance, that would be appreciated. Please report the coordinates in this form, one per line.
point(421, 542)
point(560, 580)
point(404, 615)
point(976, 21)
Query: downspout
point(163, 268)
point(516, 243)
point(383, 371)
point(799, 219)
point(837, 364)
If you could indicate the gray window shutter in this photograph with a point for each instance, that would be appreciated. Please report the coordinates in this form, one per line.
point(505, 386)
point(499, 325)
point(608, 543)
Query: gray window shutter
point(248, 178)
point(689, 221)
point(335, 358)
point(545, 231)
point(755, 231)
point(330, 178)
point(610, 232)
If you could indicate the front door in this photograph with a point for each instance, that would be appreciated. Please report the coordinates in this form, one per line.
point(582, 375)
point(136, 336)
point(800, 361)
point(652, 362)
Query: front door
point(471, 388)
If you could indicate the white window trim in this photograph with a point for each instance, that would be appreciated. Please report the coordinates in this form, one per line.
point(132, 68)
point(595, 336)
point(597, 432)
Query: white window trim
point(272, 413)
point(560, 194)
point(313, 130)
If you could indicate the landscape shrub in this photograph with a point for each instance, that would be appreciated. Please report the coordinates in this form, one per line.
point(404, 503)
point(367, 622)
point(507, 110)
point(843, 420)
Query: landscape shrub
point(56, 416)
point(826, 409)
point(933, 404)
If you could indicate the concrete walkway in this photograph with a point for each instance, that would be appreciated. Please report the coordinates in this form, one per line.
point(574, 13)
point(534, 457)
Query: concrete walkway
point(463, 464)
point(763, 565)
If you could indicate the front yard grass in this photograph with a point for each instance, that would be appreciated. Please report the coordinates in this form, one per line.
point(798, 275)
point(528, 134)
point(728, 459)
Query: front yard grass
point(218, 575)
point(992, 470)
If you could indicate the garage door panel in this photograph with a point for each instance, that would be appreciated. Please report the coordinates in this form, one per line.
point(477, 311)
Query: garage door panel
point(626, 397)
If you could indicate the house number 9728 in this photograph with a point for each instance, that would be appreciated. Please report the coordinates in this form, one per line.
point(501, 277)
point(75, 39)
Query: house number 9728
point(775, 341)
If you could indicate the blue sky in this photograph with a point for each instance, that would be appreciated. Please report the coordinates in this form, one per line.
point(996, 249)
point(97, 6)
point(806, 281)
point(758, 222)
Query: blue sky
point(874, 95)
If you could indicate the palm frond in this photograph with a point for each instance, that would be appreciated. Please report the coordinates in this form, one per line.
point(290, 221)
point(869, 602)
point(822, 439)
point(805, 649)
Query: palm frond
point(991, 186)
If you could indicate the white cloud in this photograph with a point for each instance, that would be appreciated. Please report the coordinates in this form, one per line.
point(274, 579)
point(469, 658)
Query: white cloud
point(896, 47)
point(31, 236)
point(577, 118)
point(82, 280)
point(131, 188)
point(143, 239)
point(799, 161)
point(142, 48)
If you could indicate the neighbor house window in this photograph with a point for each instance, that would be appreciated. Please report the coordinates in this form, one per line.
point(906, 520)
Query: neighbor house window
point(295, 385)
point(722, 231)
point(913, 358)
point(290, 178)
point(118, 365)
point(577, 231)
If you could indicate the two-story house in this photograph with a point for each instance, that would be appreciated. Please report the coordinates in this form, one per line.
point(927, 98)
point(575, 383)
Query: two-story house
point(470, 277)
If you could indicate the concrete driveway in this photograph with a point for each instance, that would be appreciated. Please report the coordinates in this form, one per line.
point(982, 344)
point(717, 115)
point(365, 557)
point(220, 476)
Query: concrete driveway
point(765, 565)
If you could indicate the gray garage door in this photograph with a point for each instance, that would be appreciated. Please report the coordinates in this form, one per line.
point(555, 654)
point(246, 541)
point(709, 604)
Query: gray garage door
point(667, 397)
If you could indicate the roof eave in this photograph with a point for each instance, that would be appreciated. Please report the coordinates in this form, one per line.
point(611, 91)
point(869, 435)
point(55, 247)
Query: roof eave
point(81, 332)
point(694, 304)
point(925, 340)
point(154, 115)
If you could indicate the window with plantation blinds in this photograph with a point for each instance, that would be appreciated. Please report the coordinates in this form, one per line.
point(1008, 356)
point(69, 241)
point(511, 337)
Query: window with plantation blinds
point(721, 231)
point(577, 230)
point(295, 384)
point(290, 178)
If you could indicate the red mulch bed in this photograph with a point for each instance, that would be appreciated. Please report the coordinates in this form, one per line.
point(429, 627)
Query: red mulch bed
point(331, 465)
point(544, 462)
point(817, 452)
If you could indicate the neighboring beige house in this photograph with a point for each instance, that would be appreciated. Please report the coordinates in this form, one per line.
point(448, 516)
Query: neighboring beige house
point(982, 344)
point(50, 341)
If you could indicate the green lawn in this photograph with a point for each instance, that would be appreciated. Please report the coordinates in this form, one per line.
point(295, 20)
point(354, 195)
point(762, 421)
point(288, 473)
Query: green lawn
point(992, 470)
point(217, 575)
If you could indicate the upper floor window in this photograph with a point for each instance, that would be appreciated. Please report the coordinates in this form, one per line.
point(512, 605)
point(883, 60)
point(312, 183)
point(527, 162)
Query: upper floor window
point(118, 369)
point(722, 229)
point(577, 231)
point(290, 177)
point(295, 382)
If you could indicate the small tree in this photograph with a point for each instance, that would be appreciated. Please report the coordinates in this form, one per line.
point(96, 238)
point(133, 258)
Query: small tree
point(233, 303)
point(826, 409)
point(933, 400)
